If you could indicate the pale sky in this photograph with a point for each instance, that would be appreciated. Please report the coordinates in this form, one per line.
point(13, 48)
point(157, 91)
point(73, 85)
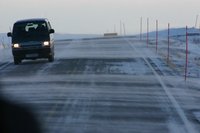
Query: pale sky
point(99, 16)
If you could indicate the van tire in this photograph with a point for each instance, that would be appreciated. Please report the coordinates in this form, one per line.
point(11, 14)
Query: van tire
point(51, 58)
point(17, 60)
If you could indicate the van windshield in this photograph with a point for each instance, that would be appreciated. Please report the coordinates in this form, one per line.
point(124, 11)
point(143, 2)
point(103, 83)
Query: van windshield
point(30, 31)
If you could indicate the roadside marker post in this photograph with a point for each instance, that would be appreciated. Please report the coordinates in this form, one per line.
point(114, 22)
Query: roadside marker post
point(186, 59)
point(156, 36)
point(147, 32)
point(141, 29)
point(168, 42)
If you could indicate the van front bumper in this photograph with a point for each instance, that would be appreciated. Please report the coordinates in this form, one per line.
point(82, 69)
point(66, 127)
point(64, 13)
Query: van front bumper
point(32, 53)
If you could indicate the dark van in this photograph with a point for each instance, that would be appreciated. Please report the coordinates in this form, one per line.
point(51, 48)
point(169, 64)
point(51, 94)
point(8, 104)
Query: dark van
point(32, 39)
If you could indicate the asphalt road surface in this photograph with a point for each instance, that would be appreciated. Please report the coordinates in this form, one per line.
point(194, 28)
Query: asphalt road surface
point(103, 86)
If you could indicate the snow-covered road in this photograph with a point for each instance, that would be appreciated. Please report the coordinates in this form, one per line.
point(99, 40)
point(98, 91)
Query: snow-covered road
point(104, 86)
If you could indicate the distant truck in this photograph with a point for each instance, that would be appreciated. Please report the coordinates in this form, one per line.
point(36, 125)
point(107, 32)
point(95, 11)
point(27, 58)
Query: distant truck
point(32, 39)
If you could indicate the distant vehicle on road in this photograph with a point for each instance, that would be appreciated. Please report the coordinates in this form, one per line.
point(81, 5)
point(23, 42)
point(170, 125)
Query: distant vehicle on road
point(32, 39)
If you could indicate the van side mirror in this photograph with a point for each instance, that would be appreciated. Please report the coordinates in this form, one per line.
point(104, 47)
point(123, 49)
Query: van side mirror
point(52, 31)
point(9, 34)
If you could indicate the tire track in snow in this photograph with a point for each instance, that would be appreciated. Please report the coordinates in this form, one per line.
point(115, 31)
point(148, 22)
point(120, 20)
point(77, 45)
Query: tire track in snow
point(188, 125)
point(44, 70)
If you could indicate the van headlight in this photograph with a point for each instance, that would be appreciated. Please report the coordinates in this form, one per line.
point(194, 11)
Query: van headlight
point(16, 45)
point(46, 43)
